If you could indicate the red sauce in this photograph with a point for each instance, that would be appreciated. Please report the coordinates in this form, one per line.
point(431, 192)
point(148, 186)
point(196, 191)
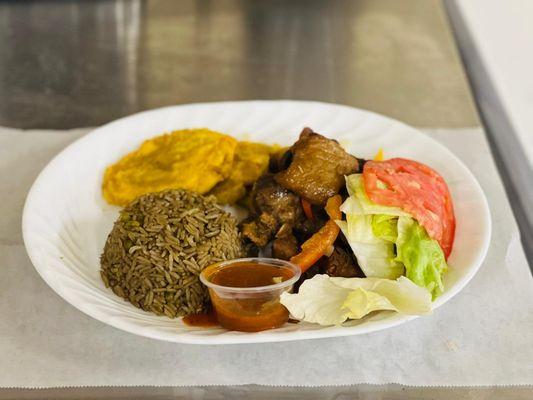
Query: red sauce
point(249, 312)
point(201, 320)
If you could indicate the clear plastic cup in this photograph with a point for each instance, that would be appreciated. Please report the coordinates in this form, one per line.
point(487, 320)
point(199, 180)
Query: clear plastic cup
point(255, 308)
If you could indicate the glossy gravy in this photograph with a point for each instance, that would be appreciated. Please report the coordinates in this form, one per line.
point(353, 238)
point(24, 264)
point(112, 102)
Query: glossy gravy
point(244, 275)
point(250, 311)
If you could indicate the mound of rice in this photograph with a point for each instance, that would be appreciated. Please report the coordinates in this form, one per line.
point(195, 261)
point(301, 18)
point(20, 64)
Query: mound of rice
point(159, 245)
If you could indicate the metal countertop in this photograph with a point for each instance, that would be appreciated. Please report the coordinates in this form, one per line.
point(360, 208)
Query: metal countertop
point(77, 63)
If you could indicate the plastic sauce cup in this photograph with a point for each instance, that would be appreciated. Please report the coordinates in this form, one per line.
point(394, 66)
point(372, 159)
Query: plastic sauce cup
point(241, 306)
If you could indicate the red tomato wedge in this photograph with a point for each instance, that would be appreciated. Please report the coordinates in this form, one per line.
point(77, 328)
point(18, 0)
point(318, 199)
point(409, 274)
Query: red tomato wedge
point(416, 189)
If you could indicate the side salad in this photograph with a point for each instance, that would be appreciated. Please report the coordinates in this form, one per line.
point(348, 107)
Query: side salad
point(398, 220)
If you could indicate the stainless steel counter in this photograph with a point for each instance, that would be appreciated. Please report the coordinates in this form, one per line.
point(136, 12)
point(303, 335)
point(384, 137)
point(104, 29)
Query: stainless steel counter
point(71, 64)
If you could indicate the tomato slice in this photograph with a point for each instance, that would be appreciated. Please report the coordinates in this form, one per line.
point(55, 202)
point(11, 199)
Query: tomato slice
point(416, 189)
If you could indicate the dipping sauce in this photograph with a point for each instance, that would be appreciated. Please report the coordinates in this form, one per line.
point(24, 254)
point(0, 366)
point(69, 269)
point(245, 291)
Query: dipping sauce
point(248, 274)
point(245, 293)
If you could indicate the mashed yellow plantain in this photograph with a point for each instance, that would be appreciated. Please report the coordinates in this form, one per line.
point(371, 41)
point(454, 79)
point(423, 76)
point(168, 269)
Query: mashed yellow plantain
point(192, 159)
point(250, 162)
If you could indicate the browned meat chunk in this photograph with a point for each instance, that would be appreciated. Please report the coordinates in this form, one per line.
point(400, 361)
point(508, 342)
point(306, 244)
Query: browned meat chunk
point(341, 263)
point(305, 228)
point(268, 196)
point(317, 168)
point(285, 247)
point(280, 160)
point(273, 208)
point(260, 230)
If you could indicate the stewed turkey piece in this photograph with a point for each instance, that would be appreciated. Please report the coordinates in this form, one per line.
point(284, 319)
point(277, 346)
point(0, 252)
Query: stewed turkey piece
point(317, 167)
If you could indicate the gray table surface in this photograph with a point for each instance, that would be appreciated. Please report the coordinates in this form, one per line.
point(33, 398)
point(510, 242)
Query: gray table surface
point(71, 64)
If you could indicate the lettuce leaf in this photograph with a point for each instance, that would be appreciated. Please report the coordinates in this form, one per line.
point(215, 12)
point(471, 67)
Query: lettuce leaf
point(375, 256)
point(422, 256)
point(370, 236)
point(387, 241)
point(331, 301)
point(385, 227)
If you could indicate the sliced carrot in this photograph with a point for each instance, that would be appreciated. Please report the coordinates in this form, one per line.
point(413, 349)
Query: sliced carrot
point(333, 207)
point(308, 209)
point(319, 244)
point(316, 246)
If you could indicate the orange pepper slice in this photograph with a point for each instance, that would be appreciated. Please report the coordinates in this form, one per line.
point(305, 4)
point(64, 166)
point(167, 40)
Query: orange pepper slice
point(333, 207)
point(318, 244)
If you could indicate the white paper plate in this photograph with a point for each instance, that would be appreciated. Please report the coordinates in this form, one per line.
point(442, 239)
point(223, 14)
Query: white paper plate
point(66, 220)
